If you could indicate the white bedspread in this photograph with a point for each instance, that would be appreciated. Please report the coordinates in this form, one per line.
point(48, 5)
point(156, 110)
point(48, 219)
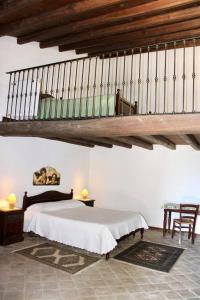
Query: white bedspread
point(90, 228)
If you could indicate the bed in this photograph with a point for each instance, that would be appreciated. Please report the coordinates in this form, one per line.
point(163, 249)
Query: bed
point(93, 106)
point(58, 217)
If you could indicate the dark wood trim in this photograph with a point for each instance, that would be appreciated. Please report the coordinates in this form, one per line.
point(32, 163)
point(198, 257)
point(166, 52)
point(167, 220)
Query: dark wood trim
point(124, 37)
point(80, 25)
point(49, 196)
point(125, 42)
point(163, 19)
point(75, 10)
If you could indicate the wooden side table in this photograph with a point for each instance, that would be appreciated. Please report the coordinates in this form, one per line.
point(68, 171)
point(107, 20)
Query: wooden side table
point(87, 202)
point(11, 226)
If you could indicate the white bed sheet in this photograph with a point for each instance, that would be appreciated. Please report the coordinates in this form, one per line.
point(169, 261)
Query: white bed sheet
point(90, 228)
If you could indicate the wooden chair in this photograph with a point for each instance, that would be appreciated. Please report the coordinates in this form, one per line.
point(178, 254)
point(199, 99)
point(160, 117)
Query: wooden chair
point(187, 220)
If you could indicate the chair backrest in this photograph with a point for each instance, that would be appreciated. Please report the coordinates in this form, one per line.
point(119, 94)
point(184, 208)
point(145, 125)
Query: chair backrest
point(189, 211)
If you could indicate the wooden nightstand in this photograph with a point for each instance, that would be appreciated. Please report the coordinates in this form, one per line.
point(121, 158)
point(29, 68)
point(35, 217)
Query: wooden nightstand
point(11, 226)
point(88, 202)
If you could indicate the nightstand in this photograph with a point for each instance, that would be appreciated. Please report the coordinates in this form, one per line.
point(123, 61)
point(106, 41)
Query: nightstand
point(11, 226)
point(88, 202)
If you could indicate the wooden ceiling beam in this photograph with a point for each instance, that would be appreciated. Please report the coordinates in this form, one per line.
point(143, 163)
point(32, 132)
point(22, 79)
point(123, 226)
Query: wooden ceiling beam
point(135, 141)
point(11, 10)
point(163, 19)
point(191, 140)
point(119, 45)
point(69, 12)
point(145, 33)
point(161, 140)
point(144, 10)
point(78, 26)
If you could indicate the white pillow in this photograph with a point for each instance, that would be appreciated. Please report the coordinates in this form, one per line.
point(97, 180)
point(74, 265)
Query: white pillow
point(57, 205)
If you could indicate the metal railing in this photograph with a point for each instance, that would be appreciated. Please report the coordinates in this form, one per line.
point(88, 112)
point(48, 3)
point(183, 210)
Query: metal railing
point(154, 79)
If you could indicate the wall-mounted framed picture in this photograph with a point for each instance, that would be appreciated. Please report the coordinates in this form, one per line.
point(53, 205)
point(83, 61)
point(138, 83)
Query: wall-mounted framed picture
point(46, 176)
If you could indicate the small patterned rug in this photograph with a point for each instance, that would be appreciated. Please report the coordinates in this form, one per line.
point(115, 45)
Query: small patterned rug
point(154, 256)
point(58, 257)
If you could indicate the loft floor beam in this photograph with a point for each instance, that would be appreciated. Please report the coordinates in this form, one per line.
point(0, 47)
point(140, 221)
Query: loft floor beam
point(135, 141)
point(161, 140)
point(107, 127)
point(191, 140)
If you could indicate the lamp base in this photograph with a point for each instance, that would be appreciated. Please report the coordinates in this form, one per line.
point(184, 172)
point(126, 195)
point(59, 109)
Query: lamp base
point(11, 205)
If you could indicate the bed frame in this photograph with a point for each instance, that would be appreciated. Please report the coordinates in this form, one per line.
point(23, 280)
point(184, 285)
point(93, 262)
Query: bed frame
point(51, 196)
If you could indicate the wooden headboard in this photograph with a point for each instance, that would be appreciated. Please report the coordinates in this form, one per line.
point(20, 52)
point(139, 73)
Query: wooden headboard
point(49, 196)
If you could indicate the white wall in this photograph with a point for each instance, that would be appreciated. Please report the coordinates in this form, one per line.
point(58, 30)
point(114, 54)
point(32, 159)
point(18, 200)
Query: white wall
point(142, 180)
point(20, 157)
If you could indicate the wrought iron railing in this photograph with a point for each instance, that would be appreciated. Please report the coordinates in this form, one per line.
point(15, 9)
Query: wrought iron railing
point(155, 79)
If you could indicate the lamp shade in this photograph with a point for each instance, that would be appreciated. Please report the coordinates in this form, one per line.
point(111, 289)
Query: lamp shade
point(11, 200)
point(84, 193)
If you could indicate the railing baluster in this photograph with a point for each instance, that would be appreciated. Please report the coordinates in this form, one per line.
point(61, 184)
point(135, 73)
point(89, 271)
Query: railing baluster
point(74, 100)
point(16, 97)
point(108, 86)
point(88, 86)
point(101, 86)
point(46, 99)
point(156, 79)
point(94, 88)
point(36, 92)
point(31, 89)
point(57, 90)
point(51, 91)
point(139, 78)
point(183, 77)
point(131, 82)
point(174, 80)
point(123, 84)
point(21, 95)
point(27, 80)
point(12, 97)
point(116, 74)
point(193, 75)
point(165, 78)
point(81, 91)
point(147, 81)
point(8, 101)
point(68, 97)
point(40, 100)
point(63, 89)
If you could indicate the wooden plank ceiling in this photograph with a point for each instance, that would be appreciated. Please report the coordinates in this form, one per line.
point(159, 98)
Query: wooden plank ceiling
point(94, 27)
point(128, 132)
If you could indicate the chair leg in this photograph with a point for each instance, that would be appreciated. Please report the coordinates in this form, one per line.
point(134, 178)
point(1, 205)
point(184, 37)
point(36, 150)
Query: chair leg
point(173, 230)
point(193, 236)
point(180, 236)
point(190, 231)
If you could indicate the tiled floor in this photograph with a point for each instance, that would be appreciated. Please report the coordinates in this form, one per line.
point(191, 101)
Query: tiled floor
point(25, 279)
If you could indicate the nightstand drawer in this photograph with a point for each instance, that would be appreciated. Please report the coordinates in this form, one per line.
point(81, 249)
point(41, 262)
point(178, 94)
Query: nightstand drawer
point(11, 226)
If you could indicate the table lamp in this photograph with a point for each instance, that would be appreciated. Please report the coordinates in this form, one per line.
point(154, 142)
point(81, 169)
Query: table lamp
point(11, 200)
point(84, 194)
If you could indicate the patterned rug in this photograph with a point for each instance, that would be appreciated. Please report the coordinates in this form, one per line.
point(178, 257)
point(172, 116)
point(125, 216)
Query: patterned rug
point(151, 255)
point(58, 257)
